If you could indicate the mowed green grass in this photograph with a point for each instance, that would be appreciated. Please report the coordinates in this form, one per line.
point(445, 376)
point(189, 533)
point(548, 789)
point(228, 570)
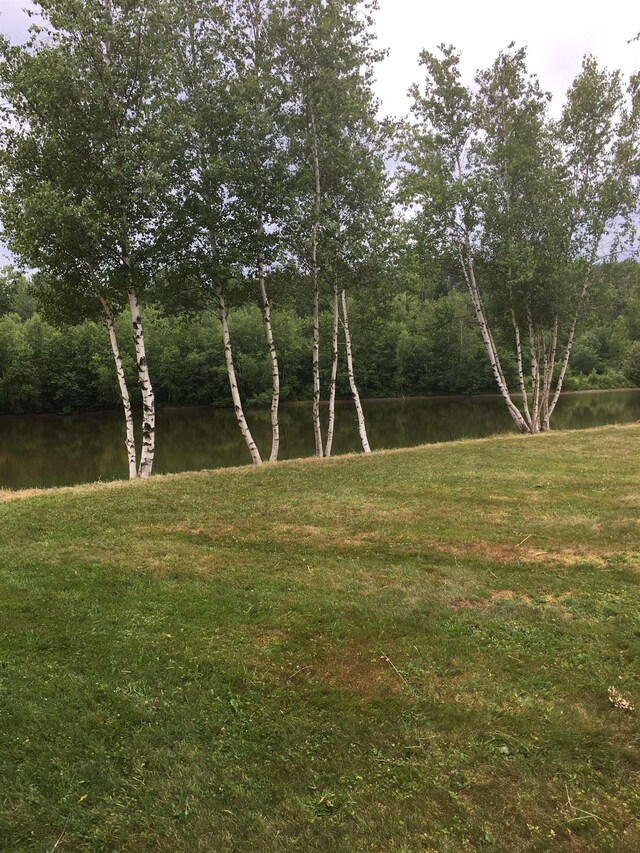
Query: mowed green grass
point(404, 652)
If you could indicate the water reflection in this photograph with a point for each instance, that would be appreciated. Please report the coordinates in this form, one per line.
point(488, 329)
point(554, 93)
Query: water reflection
point(64, 449)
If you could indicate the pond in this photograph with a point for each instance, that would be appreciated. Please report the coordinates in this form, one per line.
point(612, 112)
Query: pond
point(57, 450)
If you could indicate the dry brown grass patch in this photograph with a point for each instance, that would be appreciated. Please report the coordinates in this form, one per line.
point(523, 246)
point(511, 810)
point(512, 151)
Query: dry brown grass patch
point(265, 638)
point(499, 552)
point(8, 495)
point(501, 596)
point(468, 604)
point(215, 531)
point(359, 668)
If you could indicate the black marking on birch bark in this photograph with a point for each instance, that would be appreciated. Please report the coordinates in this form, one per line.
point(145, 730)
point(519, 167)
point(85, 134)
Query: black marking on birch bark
point(148, 402)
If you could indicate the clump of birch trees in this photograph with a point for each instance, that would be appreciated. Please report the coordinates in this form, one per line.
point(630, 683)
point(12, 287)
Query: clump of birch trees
point(206, 144)
point(523, 205)
point(222, 151)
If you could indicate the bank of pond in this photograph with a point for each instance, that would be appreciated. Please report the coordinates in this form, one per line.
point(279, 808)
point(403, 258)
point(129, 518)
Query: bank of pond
point(58, 450)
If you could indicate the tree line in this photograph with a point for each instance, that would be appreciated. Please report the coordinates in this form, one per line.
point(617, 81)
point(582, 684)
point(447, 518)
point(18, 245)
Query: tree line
point(202, 157)
point(426, 341)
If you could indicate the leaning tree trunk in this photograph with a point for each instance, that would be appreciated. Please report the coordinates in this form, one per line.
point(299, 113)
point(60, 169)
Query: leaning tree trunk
point(334, 370)
point(315, 273)
point(567, 352)
point(144, 381)
point(487, 337)
point(233, 383)
point(273, 355)
point(130, 441)
point(362, 429)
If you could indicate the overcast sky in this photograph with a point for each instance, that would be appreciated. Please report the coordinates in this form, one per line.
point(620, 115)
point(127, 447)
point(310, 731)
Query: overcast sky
point(557, 32)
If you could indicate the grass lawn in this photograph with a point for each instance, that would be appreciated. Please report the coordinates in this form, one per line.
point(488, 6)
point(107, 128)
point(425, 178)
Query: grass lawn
point(410, 651)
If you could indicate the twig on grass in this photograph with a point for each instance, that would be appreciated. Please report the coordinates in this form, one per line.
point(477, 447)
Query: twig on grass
point(60, 837)
point(394, 667)
point(298, 671)
point(583, 814)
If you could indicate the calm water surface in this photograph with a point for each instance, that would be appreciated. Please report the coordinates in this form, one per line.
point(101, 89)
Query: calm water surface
point(56, 450)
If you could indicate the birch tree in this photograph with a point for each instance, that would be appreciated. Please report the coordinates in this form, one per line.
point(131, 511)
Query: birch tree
point(598, 134)
point(82, 167)
point(524, 198)
point(259, 178)
point(200, 236)
point(336, 155)
point(521, 203)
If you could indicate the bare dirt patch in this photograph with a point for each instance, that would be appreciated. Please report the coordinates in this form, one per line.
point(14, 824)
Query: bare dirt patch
point(632, 500)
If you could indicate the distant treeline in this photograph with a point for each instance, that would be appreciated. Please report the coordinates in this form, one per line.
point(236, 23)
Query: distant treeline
point(427, 343)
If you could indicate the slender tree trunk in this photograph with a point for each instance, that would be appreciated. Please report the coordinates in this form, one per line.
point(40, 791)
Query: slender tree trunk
point(148, 400)
point(362, 429)
point(476, 300)
point(334, 368)
point(523, 389)
point(231, 373)
point(567, 352)
point(535, 376)
point(549, 367)
point(130, 441)
point(273, 355)
point(317, 428)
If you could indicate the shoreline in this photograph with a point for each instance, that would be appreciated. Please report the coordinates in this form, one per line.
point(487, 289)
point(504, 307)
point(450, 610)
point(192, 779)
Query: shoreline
point(8, 495)
point(290, 404)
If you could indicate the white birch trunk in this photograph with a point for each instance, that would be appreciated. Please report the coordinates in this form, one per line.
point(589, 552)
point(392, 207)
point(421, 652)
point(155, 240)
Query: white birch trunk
point(233, 384)
point(130, 441)
point(317, 428)
point(567, 353)
point(535, 377)
point(549, 367)
point(148, 401)
point(362, 429)
point(273, 355)
point(523, 389)
point(487, 337)
point(334, 371)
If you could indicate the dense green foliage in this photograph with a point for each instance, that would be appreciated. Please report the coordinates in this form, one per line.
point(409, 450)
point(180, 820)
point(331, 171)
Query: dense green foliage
point(425, 342)
point(409, 652)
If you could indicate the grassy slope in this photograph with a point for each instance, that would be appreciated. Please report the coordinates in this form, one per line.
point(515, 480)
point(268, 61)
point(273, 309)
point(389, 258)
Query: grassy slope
point(354, 655)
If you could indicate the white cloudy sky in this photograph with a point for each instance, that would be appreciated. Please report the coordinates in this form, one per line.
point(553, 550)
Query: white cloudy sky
point(557, 32)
